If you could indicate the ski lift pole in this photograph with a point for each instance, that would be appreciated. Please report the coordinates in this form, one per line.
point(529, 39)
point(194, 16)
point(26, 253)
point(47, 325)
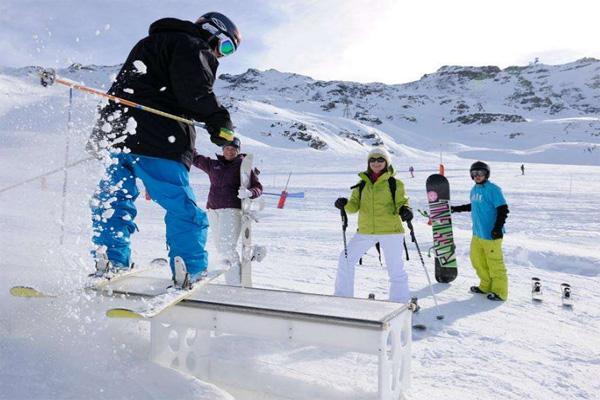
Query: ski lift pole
point(66, 171)
point(284, 193)
point(414, 239)
point(48, 77)
point(54, 171)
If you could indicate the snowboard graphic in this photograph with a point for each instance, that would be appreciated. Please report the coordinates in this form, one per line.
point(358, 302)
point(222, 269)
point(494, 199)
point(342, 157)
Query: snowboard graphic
point(438, 196)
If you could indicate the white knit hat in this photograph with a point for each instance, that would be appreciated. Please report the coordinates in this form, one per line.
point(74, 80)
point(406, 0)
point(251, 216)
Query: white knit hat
point(380, 151)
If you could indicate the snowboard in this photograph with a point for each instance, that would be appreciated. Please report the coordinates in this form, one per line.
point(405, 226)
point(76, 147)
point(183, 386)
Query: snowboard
point(246, 263)
point(438, 197)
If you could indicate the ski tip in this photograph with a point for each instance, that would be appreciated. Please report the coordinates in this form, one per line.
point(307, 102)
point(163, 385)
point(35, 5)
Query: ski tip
point(123, 313)
point(26, 291)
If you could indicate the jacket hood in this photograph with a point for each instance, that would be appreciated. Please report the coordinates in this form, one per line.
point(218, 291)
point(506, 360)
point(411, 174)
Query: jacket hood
point(178, 25)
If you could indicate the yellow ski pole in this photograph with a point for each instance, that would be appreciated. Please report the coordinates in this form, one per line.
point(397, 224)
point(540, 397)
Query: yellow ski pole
point(48, 77)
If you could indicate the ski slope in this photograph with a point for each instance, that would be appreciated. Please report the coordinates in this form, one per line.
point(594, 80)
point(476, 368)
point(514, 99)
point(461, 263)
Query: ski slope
point(65, 348)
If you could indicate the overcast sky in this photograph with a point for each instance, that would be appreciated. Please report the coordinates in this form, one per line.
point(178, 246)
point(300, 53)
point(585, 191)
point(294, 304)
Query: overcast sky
point(378, 40)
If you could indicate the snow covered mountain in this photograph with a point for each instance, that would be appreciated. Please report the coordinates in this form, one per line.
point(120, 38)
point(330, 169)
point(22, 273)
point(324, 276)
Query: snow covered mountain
point(65, 348)
point(534, 113)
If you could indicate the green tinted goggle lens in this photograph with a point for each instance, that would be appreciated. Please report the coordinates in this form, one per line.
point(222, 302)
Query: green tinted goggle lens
point(226, 47)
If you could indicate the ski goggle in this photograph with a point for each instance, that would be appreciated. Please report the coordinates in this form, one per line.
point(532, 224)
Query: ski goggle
point(226, 45)
point(478, 172)
point(378, 159)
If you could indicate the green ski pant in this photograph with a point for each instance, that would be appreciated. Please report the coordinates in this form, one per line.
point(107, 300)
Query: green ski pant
point(488, 261)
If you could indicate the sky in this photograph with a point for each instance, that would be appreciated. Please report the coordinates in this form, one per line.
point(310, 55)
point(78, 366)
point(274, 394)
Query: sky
point(380, 40)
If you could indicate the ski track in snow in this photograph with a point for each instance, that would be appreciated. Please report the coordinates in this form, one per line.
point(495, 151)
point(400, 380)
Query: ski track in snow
point(66, 348)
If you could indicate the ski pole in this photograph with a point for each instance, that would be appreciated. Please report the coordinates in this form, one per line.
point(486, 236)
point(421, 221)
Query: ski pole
point(48, 77)
point(344, 226)
point(414, 239)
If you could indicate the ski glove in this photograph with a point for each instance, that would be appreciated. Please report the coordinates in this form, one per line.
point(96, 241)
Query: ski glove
point(502, 214)
point(497, 233)
point(406, 213)
point(463, 208)
point(340, 202)
point(220, 136)
point(244, 193)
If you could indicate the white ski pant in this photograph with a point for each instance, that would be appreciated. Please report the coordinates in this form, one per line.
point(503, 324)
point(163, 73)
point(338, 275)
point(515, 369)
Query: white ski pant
point(392, 248)
point(225, 226)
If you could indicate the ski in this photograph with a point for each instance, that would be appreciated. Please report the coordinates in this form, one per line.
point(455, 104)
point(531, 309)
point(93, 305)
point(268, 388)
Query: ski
point(157, 304)
point(93, 283)
point(536, 289)
point(100, 282)
point(249, 253)
point(565, 290)
point(246, 262)
point(438, 197)
point(28, 291)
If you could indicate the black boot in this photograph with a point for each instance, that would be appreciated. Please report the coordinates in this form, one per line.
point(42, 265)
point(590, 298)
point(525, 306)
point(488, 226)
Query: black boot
point(475, 289)
point(494, 297)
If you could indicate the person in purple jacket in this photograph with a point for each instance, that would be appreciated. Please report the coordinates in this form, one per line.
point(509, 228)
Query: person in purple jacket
point(225, 203)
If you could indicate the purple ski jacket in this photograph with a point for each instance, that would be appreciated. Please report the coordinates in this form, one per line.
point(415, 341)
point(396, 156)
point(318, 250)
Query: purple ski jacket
point(225, 181)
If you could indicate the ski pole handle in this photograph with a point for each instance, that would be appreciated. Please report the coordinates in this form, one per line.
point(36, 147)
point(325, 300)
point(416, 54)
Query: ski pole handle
point(344, 219)
point(412, 231)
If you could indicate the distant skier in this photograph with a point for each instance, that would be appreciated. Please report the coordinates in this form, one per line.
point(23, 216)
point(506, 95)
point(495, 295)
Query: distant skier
point(379, 220)
point(224, 203)
point(412, 171)
point(489, 212)
point(172, 69)
point(522, 169)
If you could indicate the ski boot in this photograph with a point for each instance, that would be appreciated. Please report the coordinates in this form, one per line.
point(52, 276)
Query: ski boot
point(475, 289)
point(103, 265)
point(413, 305)
point(182, 279)
point(494, 297)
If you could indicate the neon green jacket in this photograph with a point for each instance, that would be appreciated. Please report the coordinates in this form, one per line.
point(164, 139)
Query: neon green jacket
point(376, 212)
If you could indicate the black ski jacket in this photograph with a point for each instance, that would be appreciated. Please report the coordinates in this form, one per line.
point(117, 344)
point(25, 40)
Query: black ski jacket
point(172, 70)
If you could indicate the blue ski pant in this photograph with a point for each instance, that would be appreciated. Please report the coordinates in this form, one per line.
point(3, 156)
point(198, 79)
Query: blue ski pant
point(167, 182)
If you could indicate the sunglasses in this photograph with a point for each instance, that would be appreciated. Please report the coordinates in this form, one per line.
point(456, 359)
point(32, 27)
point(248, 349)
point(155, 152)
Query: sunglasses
point(378, 159)
point(478, 172)
point(226, 46)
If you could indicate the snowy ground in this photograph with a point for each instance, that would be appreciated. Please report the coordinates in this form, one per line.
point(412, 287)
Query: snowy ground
point(66, 349)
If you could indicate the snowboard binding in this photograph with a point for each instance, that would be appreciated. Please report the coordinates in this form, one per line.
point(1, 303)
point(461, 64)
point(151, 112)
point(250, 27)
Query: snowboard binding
point(565, 289)
point(536, 289)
